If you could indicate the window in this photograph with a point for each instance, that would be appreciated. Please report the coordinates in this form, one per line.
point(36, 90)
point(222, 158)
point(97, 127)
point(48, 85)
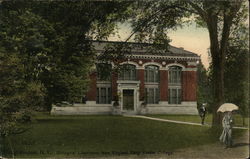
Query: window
point(152, 73)
point(174, 85)
point(103, 71)
point(128, 72)
point(174, 96)
point(152, 95)
point(103, 95)
point(152, 84)
point(174, 76)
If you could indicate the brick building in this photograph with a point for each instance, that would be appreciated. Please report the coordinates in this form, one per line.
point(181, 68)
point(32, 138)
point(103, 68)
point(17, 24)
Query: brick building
point(150, 82)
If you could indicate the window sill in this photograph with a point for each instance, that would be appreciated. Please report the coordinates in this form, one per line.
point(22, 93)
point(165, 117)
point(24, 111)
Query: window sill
point(152, 83)
point(128, 81)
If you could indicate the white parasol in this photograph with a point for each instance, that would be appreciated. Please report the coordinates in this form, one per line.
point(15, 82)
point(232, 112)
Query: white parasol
point(227, 107)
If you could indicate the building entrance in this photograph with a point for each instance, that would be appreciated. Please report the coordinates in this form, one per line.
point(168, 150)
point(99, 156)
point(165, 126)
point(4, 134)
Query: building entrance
point(128, 99)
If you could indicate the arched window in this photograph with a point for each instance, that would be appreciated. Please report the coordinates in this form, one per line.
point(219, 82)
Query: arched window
point(174, 77)
point(103, 90)
point(151, 73)
point(128, 72)
point(174, 85)
point(152, 84)
point(103, 71)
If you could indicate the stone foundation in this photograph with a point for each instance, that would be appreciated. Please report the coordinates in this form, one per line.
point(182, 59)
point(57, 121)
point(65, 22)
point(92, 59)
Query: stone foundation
point(91, 107)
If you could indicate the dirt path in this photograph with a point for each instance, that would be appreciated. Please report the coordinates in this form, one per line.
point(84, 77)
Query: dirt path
point(240, 150)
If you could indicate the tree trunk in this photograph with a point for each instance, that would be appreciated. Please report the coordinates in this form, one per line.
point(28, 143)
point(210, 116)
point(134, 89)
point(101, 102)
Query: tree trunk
point(209, 13)
point(218, 61)
point(218, 51)
point(218, 89)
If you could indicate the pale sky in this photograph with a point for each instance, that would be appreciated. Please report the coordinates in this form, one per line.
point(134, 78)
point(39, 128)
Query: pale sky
point(189, 37)
point(192, 39)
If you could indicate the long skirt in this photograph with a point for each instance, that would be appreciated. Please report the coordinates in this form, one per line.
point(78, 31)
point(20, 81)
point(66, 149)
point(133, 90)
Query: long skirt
point(226, 136)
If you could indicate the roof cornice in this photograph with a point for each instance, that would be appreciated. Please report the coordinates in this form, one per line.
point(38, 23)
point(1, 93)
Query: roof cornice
point(163, 57)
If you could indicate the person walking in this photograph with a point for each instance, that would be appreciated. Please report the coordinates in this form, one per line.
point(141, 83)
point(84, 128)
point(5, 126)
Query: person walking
point(203, 113)
point(226, 136)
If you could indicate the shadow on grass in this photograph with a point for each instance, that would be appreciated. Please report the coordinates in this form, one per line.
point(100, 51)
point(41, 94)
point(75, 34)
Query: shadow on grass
point(240, 144)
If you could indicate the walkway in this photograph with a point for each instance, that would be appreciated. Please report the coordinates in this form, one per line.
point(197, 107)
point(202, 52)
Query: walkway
point(174, 121)
point(216, 150)
point(240, 149)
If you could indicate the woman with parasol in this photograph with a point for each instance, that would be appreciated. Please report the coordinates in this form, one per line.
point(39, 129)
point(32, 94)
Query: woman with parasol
point(227, 121)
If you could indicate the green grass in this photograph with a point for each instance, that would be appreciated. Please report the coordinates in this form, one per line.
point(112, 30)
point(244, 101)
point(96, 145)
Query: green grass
point(238, 120)
point(81, 136)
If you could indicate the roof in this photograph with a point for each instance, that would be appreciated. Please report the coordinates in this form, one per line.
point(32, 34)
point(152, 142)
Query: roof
point(146, 49)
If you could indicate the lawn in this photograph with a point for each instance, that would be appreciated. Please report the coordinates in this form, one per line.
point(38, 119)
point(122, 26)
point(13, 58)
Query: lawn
point(81, 136)
point(238, 120)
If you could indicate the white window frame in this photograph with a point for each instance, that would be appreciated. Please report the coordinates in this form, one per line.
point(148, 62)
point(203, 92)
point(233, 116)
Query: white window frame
point(108, 94)
point(174, 83)
point(132, 74)
point(156, 94)
point(154, 72)
point(174, 79)
point(171, 95)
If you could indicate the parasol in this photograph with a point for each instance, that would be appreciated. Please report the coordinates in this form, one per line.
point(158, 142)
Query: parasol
point(227, 107)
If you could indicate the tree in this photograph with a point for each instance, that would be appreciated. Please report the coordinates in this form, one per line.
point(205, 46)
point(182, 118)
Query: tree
point(45, 52)
point(219, 17)
point(203, 89)
point(18, 98)
point(236, 72)
point(53, 40)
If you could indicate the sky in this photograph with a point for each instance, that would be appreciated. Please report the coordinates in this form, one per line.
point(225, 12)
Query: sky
point(190, 37)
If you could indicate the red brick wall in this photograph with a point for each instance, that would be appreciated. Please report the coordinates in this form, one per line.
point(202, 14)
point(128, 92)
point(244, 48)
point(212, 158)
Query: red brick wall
point(189, 85)
point(91, 95)
point(114, 84)
point(163, 85)
point(140, 73)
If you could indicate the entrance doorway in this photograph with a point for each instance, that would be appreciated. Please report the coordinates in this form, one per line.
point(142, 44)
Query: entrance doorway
point(128, 99)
